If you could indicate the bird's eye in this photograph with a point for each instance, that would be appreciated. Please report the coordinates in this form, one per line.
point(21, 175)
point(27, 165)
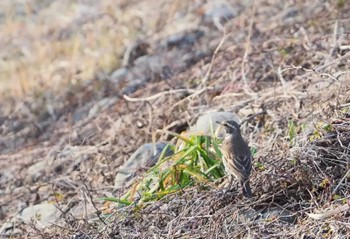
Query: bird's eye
point(230, 125)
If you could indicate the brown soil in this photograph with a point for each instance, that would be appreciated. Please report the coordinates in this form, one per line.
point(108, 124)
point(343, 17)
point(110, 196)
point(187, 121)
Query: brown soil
point(288, 59)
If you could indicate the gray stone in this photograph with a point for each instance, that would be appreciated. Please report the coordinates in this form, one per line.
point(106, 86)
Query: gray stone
point(59, 161)
point(149, 65)
point(80, 209)
point(281, 214)
point(220, 10)
point(183, 39)
point(37, 169)
point(101, 105)
point(204, 122)
point(120, 75)
point(9, 229)
point(145, 156)
point(42, 215)
point(5, 177)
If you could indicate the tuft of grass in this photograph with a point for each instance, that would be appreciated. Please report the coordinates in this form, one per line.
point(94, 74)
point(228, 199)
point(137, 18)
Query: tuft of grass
point(292, 132)
point(196, 161)
point(340, 3)
point(321, 128)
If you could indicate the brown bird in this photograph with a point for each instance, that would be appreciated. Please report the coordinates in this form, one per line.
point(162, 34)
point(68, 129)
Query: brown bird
point(237, 158)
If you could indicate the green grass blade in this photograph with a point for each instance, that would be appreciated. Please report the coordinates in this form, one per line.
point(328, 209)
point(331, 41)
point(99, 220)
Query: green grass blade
point(118, 200)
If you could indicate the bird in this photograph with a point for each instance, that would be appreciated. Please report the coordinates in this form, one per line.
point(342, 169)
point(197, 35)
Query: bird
point(237, 158)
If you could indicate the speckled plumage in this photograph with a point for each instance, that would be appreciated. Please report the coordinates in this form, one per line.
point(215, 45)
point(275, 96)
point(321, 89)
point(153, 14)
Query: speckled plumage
point(237, 158)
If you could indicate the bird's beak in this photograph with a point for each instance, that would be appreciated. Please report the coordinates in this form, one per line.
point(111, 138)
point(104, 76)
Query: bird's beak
point(219, 122)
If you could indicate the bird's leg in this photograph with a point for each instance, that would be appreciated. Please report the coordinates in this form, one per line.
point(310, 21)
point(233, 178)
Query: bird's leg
point(232, 184)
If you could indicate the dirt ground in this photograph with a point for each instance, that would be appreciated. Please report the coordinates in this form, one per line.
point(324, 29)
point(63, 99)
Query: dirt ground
point(84, 83)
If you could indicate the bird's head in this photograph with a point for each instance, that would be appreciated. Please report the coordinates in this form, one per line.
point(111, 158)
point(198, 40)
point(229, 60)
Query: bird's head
point(231, 127)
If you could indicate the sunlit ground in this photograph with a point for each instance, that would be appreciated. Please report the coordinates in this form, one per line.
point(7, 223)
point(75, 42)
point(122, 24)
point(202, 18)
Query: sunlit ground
point(53, 43)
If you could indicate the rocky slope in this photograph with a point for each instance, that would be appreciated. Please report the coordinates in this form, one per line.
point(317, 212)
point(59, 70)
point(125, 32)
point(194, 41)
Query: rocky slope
point(140, 66)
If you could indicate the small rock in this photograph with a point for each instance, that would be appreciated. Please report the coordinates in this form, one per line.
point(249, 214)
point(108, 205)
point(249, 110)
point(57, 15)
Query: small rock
point(119, 75)
point(148, 65)
point(80, 209)
point(204, 122)
point(183, 40)
point(5, 177)
point(281, 214)
point(3, 119)
point(219, 10)
point(81, 235)
point(101, 105)
point(2, 214)
point(9, 229)
point(144, 156)
point(37, 169)
point(43, 215)
point(58, 161)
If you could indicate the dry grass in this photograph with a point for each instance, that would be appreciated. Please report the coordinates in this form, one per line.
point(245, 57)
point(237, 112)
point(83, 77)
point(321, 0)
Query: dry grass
point(57, 43)
point(295, 67)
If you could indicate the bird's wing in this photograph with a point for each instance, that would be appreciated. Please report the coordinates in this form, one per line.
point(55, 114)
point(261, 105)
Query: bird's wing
point(244, 164)
point(241, 164)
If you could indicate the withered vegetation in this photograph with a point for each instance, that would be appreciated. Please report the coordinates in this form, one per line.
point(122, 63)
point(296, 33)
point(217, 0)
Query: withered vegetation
point(290, 60)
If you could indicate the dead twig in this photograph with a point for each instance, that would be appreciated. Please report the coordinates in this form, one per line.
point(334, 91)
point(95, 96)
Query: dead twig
point(329, 213)
point(158, 95)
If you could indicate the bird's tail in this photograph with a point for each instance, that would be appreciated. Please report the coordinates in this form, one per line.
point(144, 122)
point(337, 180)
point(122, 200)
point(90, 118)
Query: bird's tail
point(247, 192)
